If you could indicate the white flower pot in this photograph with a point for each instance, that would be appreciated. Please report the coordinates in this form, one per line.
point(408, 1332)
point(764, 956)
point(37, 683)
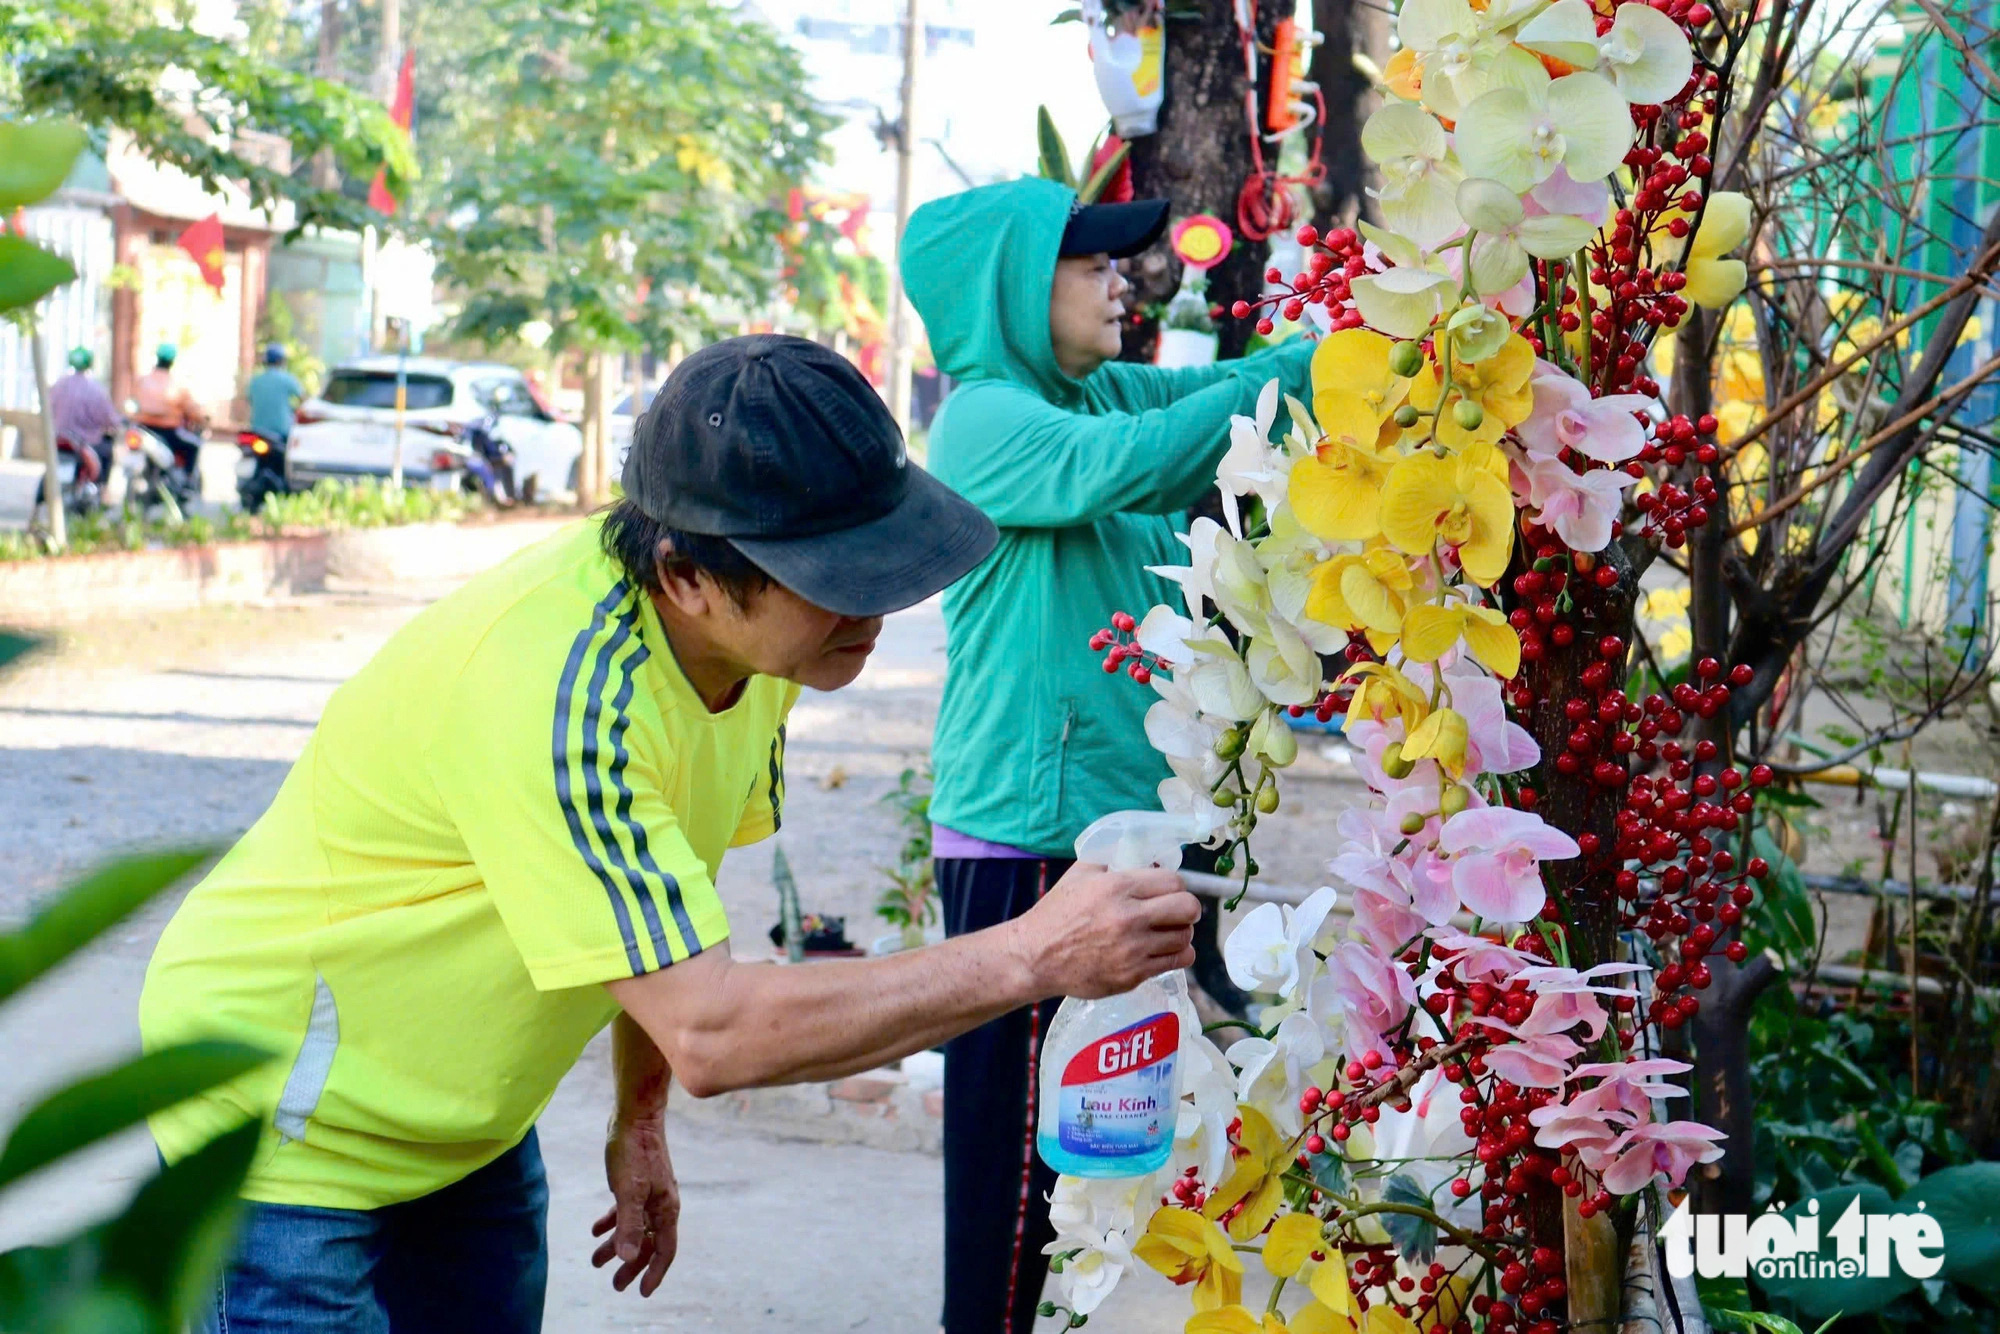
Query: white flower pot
point(1185, 347)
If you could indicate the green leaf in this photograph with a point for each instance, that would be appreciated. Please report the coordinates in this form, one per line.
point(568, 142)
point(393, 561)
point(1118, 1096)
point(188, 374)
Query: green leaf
point(39, 1283)
point(85, 910)
point(28, 273)
point(1055, 156)
point(1067, 16)
point(1822, 1297)
point(1770, 1324)
point(35, 160)
point(13, 646)
point(1966, 1203)
point(1329, 1173)
point(1722, 1298)
point(171, 1243)
point(1415, 1238)
point(102, 1105)
point(1094, 187)
point(1783, 917)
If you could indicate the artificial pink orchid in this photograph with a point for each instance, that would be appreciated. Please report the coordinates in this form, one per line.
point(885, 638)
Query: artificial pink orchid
point(1370, 992)
point(1582, 508)
point(1538, 1060)
point(1497, 855)
point(1567, 417)
point(1667, 1147)
point(1588, 1124)
point(1384, 920)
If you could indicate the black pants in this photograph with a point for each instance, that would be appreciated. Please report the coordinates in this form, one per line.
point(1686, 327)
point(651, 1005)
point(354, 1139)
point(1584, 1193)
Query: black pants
point(996, 1187)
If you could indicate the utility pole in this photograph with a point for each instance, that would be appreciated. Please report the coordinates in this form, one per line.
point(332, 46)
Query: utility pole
point(901, 321)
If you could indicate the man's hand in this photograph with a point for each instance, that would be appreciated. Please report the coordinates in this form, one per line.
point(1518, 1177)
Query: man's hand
point(644, 1218)
point(1101, 932)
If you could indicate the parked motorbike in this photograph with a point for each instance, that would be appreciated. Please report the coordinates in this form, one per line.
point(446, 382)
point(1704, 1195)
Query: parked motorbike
point(491, 463)
point(260, 473)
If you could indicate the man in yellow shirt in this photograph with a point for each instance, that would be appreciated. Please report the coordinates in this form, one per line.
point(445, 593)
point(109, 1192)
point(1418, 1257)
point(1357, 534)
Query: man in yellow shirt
point(504, 835)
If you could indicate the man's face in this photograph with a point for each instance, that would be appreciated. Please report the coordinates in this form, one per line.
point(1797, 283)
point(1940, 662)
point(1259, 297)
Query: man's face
point(1086, 312)
point(778, 633)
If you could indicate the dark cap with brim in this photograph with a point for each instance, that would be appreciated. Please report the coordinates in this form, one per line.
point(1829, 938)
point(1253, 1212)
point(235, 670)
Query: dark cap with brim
point(781, 446)
point(1118, 230)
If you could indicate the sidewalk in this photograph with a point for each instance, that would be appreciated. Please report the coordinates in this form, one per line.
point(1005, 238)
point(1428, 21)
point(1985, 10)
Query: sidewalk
point(180, 728)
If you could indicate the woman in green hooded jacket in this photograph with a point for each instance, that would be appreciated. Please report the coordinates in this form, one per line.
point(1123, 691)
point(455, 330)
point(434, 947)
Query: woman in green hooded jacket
point(1087, 465)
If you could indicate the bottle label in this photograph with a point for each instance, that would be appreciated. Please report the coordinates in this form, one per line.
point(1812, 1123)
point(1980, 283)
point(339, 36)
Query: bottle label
point(1116, 1091)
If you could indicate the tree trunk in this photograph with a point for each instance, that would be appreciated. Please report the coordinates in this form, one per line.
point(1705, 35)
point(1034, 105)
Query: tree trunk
point(1345, 26)
point(1198, 160)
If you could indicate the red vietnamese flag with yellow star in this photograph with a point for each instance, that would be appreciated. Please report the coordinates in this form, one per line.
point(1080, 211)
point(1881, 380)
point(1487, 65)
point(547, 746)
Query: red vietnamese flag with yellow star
point(203, 243)
point(400, 111)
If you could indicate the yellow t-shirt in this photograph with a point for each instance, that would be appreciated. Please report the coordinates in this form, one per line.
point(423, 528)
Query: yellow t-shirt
point(518, 799)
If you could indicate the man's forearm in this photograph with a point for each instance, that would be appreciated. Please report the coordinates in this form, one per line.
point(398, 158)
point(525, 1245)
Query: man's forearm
point(753, 1024)
point(639, 1071)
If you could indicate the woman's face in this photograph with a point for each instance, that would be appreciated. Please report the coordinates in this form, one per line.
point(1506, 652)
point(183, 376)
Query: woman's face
point(1086, 313)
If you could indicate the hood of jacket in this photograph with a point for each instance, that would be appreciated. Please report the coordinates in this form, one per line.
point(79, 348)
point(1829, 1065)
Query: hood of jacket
point(979, 266)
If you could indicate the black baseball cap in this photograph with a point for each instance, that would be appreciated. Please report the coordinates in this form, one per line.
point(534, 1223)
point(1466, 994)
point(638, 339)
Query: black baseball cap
point(781, 446)
point(1118, 230)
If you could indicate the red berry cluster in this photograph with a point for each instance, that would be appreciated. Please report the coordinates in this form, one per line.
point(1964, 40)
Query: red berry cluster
point(1121, 653)
point(1671, 173)
point(1333, 261)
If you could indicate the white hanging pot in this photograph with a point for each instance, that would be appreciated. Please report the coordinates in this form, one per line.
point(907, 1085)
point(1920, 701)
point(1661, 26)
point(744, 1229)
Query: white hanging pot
point(1185, 347)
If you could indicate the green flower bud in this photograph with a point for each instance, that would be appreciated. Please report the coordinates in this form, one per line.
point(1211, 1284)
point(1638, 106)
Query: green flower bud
point(1406, 359)
point(1230, 744)
point(1267, 800)
point(1412, 824)
point(1393, 763)
point(1408, 416)
point(1225, 798)
point(1453, 801)
point(1468, 414)
point(1224, 864)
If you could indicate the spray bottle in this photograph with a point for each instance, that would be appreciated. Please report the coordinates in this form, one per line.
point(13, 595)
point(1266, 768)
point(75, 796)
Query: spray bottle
point(1110, 1078)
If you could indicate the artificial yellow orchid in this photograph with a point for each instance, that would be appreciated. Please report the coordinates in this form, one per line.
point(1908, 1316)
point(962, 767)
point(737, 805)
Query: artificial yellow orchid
point(1256, 1180)
point(1713, 281)
point(1441, 736)
point(1189, 1248)
point(1381, 693)
point(1236, 1320)
point(1297, 1248)
point(1499, 385)
point(1430, 631)
point(1354, 389)
point(1336, 492)
point(1458, 501)
point(1367, 592)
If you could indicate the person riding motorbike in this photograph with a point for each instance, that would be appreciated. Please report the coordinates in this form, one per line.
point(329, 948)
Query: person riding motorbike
point(275, 394)
point(170, 412)
point(85, 421)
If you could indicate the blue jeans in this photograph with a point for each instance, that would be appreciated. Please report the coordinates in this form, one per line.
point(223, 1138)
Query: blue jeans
point(472, 1256)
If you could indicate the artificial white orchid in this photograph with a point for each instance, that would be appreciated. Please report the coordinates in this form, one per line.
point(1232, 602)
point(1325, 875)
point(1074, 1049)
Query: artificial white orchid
point(1419, 174)
point(1520, 134)
point(1645, 54)
point(1505, 234)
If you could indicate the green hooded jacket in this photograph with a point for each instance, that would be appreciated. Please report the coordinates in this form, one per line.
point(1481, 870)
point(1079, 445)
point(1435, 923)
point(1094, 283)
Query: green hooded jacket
point(1087, 480)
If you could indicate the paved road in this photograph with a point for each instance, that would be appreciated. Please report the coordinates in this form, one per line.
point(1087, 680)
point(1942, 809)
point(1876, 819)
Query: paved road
point(180, 729)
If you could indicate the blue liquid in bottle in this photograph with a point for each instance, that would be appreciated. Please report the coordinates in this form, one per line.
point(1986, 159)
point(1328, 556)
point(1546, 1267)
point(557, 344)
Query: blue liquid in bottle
point(1110, 1077)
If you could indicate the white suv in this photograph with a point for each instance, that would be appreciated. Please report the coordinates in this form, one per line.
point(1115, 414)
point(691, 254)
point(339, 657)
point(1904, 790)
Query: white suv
point(349, 428)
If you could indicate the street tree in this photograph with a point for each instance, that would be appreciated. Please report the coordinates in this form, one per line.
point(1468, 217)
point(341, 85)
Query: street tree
point(184, 97)
point(621, 175)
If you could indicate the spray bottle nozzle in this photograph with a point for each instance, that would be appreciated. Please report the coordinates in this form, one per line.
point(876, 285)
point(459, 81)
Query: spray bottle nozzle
point(1129, 840)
